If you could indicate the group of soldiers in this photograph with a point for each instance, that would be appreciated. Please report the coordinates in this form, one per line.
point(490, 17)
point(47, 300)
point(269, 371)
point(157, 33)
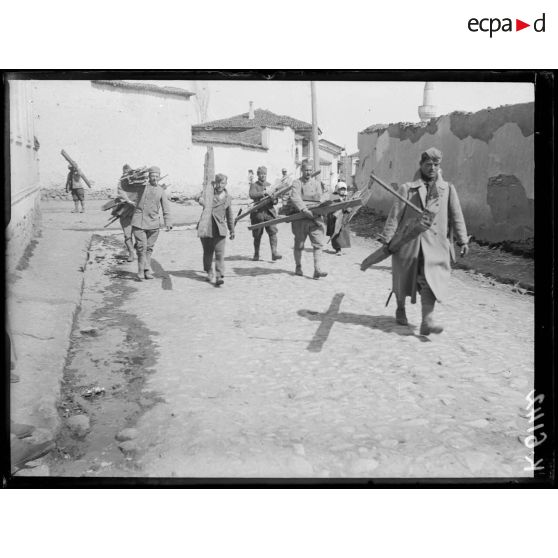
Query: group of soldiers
point(421, 265)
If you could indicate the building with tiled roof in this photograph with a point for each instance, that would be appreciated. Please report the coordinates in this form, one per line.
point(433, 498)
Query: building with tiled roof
point(258, 118)
point(262, 137)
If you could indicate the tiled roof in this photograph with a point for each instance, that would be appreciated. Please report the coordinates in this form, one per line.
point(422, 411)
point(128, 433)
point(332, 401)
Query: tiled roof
point(262, 118)
point(137, 86)
point(226, 140)
point(329, 144)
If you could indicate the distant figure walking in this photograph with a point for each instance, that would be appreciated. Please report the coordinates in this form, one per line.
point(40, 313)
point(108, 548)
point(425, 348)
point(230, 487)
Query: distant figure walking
point(339, 234)
point(74, 185)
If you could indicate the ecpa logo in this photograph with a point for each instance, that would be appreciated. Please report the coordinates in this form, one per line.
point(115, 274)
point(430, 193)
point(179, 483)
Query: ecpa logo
point(494, 24)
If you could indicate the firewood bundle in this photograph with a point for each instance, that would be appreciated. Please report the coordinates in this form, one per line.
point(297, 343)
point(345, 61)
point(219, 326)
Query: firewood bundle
point(136, 177)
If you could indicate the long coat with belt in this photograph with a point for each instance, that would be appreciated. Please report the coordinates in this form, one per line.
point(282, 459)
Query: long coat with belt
point(436, 243)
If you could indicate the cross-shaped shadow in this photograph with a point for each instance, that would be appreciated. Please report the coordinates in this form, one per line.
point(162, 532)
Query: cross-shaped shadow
point(332, 315)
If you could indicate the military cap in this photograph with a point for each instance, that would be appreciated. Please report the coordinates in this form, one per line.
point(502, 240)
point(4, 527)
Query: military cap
point(432, 154)
point(307, 164)
point(154, 169)
point(341, 185)
point(262, 169)
point(126, 167)
point(220, 178)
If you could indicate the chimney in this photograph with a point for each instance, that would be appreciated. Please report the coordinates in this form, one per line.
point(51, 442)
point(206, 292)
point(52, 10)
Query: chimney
point(427, 110)
point(251, 111)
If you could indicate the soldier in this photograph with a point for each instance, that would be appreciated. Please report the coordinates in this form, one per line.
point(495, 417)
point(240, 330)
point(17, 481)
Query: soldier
point(145, 221)
point(339, 234)
point(307, 189)
point(74, 185)
point(216, 216)
point(126, 192)
point(257, 191)
point(423, 263)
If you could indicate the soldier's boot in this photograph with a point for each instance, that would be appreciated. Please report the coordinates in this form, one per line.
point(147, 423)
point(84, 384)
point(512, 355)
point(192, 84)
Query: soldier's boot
point(298, 262)
point(141, 267)
point(130, 247)
point(273, 243)
point(318, 272)
point(428, 325)
point(256, 256)
point(400, 314)
point(148, 273)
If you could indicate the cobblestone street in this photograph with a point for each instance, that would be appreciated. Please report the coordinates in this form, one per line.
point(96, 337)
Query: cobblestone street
point(274, 375)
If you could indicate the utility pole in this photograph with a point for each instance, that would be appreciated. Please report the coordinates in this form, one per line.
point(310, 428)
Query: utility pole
point(315, 144)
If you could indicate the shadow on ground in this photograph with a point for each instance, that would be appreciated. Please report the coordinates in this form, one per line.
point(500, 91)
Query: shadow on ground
point(253, 271)
point(332, 315)
point(238, 258)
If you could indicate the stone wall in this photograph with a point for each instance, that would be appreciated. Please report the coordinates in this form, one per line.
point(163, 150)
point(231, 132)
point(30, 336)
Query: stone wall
point(56, 194)
point(488, 155)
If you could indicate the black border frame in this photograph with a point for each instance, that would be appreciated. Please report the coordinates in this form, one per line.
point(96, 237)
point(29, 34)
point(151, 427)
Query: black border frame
point(545, 171)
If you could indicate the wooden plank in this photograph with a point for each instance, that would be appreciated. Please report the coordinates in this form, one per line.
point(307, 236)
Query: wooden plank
point(396, 194)
point(74, 164)
point(317, 211)
point(270, 198)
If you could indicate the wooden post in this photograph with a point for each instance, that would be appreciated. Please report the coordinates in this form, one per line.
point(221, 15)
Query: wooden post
point(205, 224)
point(315, 144)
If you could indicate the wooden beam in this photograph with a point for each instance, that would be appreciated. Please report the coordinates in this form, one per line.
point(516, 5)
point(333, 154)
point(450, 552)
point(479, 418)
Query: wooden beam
point(317, 211)
point(75, 165)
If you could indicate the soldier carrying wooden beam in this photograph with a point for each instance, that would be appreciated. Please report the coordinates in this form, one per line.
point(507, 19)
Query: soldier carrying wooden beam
point(307, 189)
point(258, 191)
point(419, 236)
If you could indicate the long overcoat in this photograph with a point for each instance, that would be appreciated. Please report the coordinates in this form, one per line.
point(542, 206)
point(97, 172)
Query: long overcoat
point(436, 243)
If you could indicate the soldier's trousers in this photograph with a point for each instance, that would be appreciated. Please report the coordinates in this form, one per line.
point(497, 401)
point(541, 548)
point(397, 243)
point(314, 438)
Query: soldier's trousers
point(262, 218)
point(126, 224)
point(305, 228)
point(145, 241)
point(214, 246)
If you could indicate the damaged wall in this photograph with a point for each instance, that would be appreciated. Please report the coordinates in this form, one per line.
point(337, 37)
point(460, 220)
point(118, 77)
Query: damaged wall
point(488, 155)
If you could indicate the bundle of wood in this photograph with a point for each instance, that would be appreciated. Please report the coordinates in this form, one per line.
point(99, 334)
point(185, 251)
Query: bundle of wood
point(120, 208)
point(136, 177)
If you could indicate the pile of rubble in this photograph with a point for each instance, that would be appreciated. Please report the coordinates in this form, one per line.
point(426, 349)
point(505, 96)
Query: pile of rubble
point(52, 194)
